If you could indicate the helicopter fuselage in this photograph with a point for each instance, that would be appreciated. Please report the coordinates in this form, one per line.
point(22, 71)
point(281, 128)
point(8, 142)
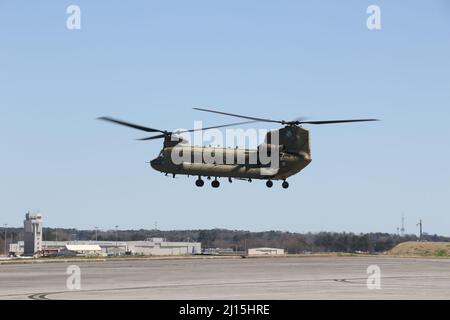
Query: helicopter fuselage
point(292, 151)
point(289, 164)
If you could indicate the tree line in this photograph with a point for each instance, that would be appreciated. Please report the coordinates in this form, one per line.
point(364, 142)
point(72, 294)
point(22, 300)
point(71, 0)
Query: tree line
point(239, 240)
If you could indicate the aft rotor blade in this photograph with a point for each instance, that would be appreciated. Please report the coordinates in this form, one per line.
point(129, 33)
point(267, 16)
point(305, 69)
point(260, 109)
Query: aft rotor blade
point(336, 121)
point(154, 137)
point(215, 127)
point(239, 116)
point(131, 125)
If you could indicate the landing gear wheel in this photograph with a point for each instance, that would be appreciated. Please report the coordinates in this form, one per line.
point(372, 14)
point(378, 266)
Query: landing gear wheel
point(269, 183)
point(285, 185)
point(199, 182)
point(215, 183)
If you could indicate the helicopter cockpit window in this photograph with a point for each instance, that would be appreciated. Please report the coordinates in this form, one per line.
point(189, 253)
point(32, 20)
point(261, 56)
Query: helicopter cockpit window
point(161, 154)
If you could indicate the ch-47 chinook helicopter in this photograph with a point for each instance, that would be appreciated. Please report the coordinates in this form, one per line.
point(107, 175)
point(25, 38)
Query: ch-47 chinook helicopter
point(292, 149)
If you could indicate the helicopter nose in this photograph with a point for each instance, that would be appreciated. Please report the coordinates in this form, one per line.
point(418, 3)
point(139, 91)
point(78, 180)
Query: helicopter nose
point(155, 164)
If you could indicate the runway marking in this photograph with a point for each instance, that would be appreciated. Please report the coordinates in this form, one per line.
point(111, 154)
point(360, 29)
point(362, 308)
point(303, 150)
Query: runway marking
point(345, 280)
point(40, 296)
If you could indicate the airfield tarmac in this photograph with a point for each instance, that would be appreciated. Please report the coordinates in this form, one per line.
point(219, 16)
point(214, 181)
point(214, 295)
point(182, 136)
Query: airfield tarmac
point(231, 278)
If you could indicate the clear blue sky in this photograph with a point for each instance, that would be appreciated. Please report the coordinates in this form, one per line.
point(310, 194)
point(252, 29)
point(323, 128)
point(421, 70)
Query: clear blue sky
point(152, 61)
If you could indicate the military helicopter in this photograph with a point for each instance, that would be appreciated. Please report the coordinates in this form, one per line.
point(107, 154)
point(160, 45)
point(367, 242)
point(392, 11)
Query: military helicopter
point(291, 146)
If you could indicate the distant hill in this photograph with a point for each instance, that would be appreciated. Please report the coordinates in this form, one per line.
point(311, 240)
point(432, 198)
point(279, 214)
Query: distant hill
point(428, 249)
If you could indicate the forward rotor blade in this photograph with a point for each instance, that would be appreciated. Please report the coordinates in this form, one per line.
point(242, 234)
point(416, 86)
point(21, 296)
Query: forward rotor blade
point(239, 116)
point(192, 130)
point(154, 137)
point(128, 124)
point(215, 127)
point(299, 119)
point(336, 121)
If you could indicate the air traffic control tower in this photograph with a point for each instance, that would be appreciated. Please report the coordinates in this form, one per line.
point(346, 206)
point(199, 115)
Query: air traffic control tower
point(33, 233)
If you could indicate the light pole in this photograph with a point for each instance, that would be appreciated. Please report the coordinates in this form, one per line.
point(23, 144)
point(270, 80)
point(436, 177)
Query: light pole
point(5, 225)
point(117, 236)
point(96, 230)
point(420, 226)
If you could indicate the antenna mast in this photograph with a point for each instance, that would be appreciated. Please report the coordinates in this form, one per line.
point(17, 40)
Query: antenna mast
point(402, 229)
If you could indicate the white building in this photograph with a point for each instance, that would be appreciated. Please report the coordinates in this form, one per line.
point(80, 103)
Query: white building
point(82, 249)
point(265, 251)
point(152, 246)
point(34, 244)
point(16, 248)
point(160, 247)
point(33, 233)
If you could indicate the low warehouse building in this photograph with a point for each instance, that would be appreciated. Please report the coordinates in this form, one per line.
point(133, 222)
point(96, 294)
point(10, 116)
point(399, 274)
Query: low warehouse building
point(158, 246)
point(82, 249)
point(151, 246)
point(35, 246)
point(265, 251)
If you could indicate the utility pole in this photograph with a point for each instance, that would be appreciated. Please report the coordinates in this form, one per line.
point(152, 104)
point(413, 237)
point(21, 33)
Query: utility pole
point(96, 230)
point(420, 226)
point(117, 235)
point(5, 225)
